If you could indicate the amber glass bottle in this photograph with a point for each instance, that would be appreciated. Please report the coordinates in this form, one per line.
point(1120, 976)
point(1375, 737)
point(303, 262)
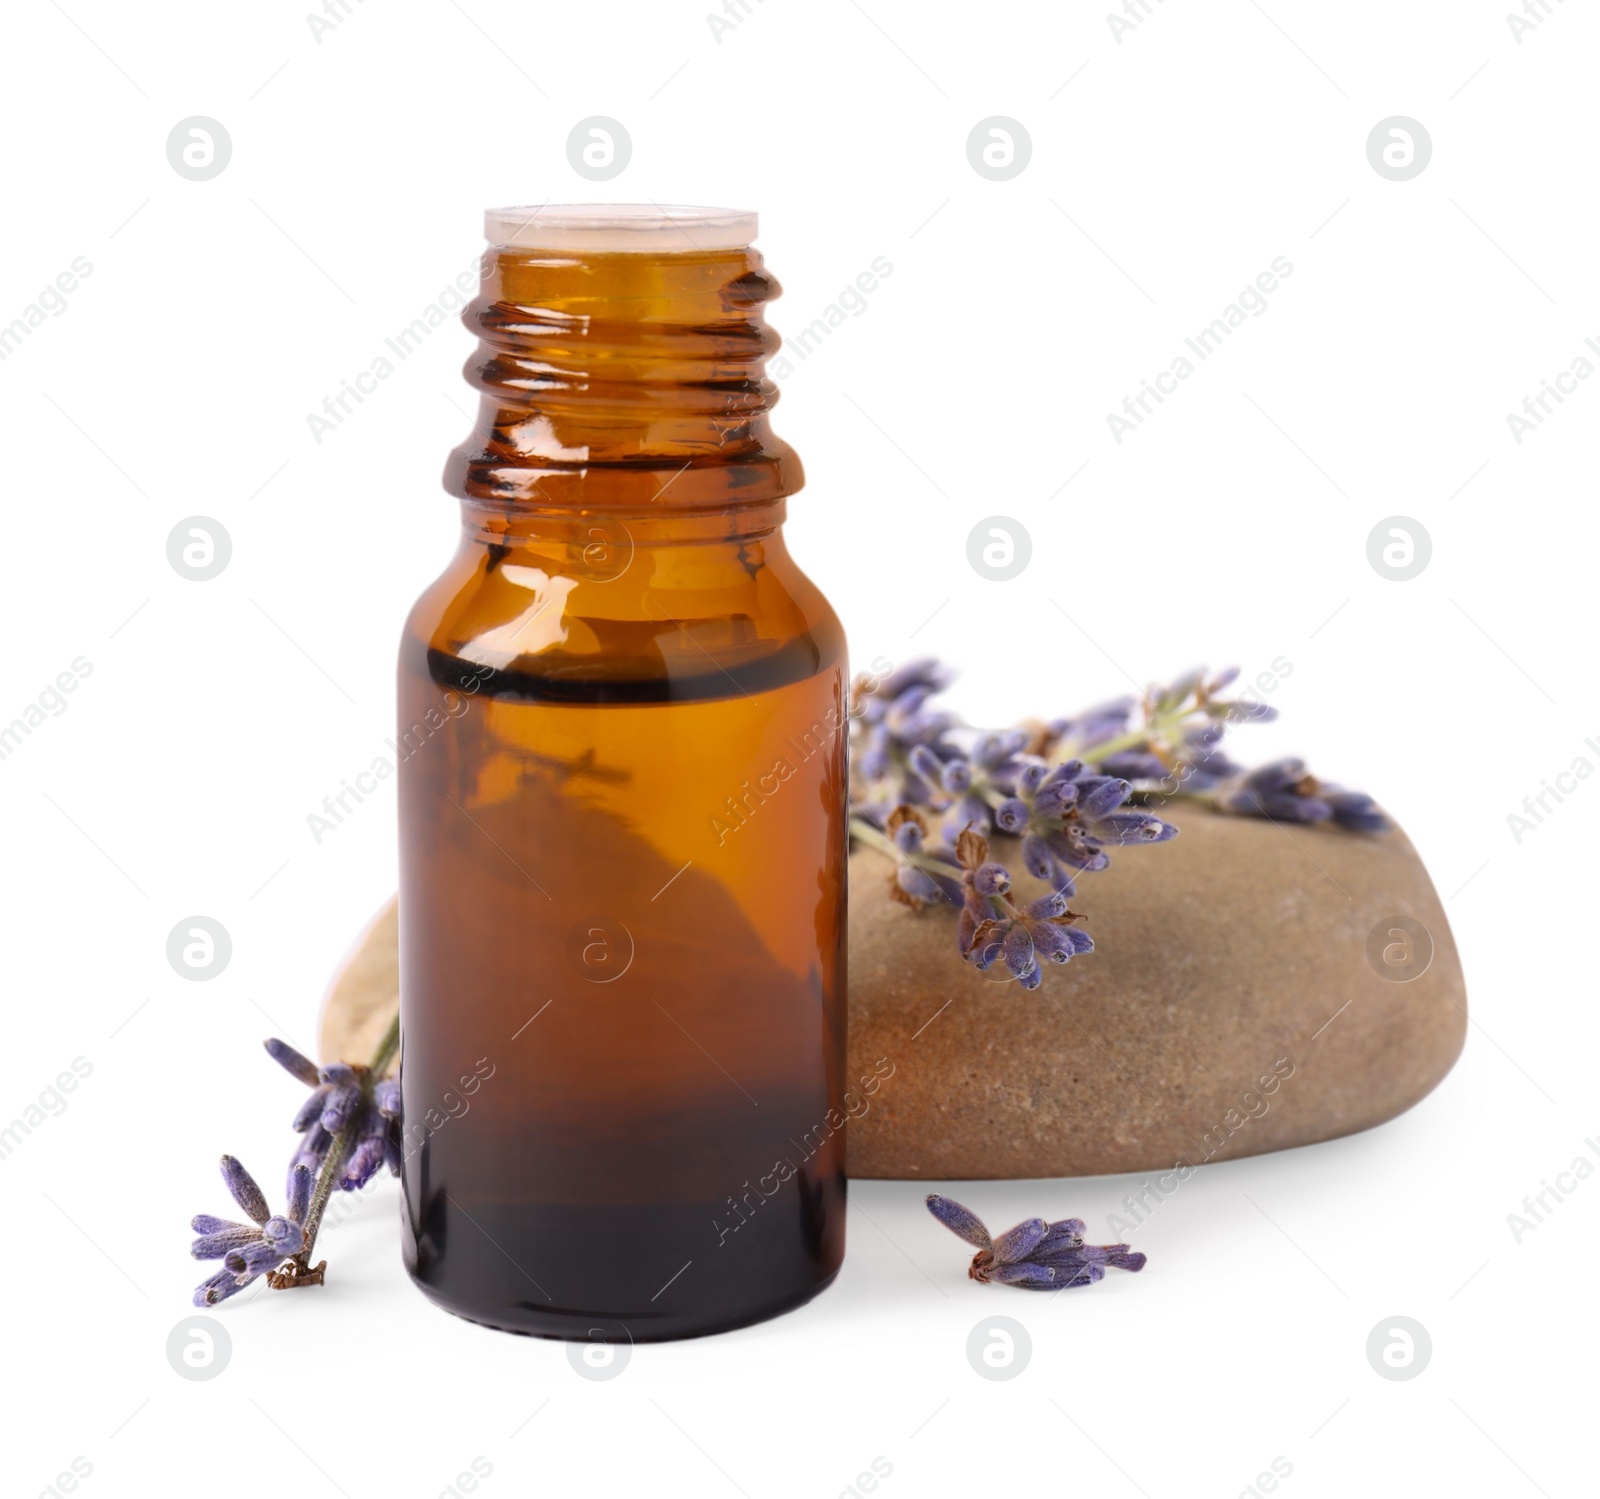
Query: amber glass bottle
point(622, 803)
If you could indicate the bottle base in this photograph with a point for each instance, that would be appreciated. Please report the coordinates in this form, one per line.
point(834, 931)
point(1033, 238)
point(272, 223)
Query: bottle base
point(575, 1326)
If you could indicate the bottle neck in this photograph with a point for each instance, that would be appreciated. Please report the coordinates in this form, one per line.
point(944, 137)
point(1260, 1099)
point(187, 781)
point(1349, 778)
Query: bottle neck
point(625, 387)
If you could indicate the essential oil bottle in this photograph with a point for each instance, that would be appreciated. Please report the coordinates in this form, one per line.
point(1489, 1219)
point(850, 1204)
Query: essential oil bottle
point(622, 809)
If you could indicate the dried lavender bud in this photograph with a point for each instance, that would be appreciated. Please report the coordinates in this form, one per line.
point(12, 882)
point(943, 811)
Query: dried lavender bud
point(1037, 1277)
point(1051, 943)
point(300, 1183)
point(293, 1062)
point(991, 879)
point(1068, 1233)
point(1356, 811)
point(218, 1287)
point(344, 1096)
point(1011, 816)
point(968, 813)
point(1135, 765)
point(244, 1189)
point(1281, 790)
point(925, 763)
point(959, 1220)
point(1019, 1242)
point(1018, 950)
point(955, 775)
point(245, 1251)
point(205, 1223)
point(918, 885)
point(285, 1237)
point(213, 1246)
point(909, 835)
point(363, 1163)
point(1035, 1255)
point(253, 1260)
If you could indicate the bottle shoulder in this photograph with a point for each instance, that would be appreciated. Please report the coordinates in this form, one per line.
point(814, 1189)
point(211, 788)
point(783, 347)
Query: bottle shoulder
point(658, 623)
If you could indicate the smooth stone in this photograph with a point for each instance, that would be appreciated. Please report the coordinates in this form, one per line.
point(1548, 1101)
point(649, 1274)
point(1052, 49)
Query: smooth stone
point(365, 991)
point(1236, 953)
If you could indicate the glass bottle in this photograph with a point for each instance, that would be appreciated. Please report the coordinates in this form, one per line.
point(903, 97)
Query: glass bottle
point(622, 809)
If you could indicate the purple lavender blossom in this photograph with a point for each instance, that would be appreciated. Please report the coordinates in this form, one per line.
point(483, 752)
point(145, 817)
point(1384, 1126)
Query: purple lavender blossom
point(992, 927)
point(1035, 1255)
point(248, 1250)
point(1070, 791)
point(1285, 792)
point(339, 1099)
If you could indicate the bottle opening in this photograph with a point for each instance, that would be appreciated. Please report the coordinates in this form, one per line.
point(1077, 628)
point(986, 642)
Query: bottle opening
point(644, 228)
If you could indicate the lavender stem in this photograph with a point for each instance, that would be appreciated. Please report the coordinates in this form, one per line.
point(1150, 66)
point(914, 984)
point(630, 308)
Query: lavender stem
point(334, 1162)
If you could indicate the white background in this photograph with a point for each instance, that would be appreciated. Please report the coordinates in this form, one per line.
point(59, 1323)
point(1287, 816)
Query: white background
point(1167, 170)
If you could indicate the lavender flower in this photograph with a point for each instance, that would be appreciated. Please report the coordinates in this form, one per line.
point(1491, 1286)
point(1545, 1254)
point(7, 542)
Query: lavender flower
point(1068, 815)
point(248, 1250)
point(1070, 791)
point(341, 1098)
point(1035, 1255)
point(1285, 792)
point(888, 721)
point(922, 875)
point(992, 927)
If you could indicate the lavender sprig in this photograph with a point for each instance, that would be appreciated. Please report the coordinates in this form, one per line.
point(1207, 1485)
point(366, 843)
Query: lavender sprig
point(1070, 791)
point(1035, 1255)
point(1169, 745)
point(351, 1123)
